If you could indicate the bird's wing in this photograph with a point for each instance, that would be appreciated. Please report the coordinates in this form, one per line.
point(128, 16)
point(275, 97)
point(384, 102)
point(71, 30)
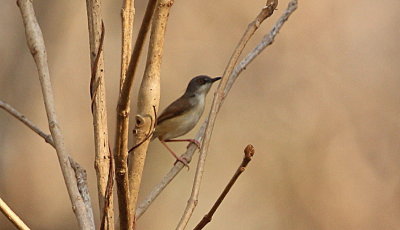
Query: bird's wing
point(177, 108)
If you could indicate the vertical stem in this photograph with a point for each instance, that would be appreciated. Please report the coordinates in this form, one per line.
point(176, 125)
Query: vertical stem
point(123, 110)
point(99, 108)
point(127, 15)
point(148, 98)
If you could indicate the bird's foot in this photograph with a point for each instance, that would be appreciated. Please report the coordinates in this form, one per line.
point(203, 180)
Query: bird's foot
point(194, 141)
point(183, 160)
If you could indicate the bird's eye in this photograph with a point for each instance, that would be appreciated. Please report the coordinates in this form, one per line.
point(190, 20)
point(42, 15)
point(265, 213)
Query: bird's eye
point(202, 81)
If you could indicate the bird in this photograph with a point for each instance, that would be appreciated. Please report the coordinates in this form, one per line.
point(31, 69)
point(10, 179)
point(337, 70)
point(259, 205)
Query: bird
point(183, 114)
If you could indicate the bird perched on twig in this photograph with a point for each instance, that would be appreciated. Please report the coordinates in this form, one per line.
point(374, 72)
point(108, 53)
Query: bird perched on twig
point(183, 114)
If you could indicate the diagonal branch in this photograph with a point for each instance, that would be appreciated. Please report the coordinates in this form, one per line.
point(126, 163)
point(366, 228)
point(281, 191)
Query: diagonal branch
point(27, 122)
point(248, 155)
point(37, 48)
point(8, 212)
point(173, 172)
point(79, 171)
point(145, 204)
point(266, 12)
point(267, 40)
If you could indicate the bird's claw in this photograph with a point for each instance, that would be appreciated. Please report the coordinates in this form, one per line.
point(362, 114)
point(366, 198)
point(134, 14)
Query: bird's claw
point(196, 142)
point(183, 160)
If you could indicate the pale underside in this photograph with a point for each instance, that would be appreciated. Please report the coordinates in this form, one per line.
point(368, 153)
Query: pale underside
point(181, 124)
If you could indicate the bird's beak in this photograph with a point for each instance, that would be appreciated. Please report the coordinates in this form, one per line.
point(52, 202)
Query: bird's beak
point(215, 79)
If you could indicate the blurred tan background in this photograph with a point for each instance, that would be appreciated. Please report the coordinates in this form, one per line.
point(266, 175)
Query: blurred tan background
point(321, 106)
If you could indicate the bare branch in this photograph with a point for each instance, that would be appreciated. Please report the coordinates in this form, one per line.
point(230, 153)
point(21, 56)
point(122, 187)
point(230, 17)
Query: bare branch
point(37, 48)
point(49, 140)
point(128, 16)
point(190, 151)
point(266, 41)
point(134, 60)
point(248, 155)
point(99, 108)
point(156, 191)
point(80, 173)
point(123, 110)
point(12, 217)
point(109, 191)
point(252, 27)
point(148, 99)
point(27, 122)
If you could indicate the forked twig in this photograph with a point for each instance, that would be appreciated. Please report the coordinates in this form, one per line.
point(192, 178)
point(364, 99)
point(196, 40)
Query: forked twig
point(156, 191)
point(81, 183)
point(37, 48)
point(27, 122)
point(266, 12)
point(248, 155)
point(267, 40)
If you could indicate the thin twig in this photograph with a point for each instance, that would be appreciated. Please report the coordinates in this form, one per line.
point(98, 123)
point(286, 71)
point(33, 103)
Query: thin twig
point(99, 105)
point(267, 40)
point(123, 110)
point(37, 48)
point(82, 184)
point(148, 99)
point(27, 122)
point(252, 27)
point(12, 217)
point(145, 204)
point(248, 155)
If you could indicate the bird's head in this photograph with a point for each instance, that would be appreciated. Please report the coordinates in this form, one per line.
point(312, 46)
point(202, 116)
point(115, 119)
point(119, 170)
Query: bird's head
point(200, 85)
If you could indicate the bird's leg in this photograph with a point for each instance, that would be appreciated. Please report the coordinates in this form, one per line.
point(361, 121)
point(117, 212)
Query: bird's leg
point(180, 159)
point(196, 142)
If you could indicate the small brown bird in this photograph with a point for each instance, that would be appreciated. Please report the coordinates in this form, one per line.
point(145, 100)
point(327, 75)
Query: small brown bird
point(183, 114)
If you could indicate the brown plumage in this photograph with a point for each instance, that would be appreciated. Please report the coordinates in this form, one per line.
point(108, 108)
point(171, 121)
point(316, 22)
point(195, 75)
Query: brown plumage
point(182, 115)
